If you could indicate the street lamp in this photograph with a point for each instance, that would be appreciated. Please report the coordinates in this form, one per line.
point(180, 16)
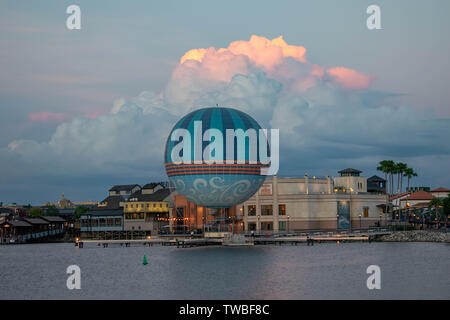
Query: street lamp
point(288, 223)
point(360, 222)
point(337, 222)
point(258, 226)
point(379, 221)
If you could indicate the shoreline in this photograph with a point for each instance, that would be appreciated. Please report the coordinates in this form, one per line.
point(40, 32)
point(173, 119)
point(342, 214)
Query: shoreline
point(397, 236)
point(415, 236)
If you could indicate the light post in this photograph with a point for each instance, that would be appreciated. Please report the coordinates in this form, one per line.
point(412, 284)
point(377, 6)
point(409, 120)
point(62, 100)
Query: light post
point(379, 221)
point(258, 226)
point(288, 223)
point(337, 222)
point(360, 222)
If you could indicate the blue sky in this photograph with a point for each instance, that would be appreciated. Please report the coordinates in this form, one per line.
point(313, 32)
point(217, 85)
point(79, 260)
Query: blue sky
point(53, 81)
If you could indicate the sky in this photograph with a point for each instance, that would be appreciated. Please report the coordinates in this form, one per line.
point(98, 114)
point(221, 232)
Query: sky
point(82, 110)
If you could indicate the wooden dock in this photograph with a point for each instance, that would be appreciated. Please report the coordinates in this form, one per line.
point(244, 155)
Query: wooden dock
point(186, 242)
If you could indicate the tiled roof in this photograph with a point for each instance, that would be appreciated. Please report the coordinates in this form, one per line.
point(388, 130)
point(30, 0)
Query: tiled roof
point(53, 219)
point(159, 195)
point(35, 221)
point(349, 170)
point(124, 187)
point(151, 185)
point(395, 196)
point(113, 203)
point(441, 189)
point(420, 195)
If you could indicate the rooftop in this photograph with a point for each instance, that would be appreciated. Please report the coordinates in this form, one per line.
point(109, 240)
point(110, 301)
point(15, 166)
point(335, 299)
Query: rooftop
point(124, 187)
point(420, 195)
point(441, 189)
point(159, 195)
point(349, 170)
point(103, 213)
point(375, 179)
point(35, 221)
point(53, 219)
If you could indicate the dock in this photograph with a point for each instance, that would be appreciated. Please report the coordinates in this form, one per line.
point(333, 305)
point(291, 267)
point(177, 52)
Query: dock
point(228, 239)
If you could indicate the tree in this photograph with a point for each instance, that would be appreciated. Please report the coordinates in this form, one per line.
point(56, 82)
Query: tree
point(409, 172)
point(446, 206)
point(436, 203)
point(388, 165)
point(384, 167)
point(51, 211)
point(80, 210)
point(400, 168)
point(35, 212)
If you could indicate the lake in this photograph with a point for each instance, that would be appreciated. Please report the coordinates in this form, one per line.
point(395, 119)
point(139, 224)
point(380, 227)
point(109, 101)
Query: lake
point(322, 271)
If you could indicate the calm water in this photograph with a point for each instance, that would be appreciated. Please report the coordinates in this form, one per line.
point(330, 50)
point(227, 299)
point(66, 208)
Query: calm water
point(324, 271)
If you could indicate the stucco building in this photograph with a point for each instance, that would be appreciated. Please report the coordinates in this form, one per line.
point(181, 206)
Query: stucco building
point(287, 204)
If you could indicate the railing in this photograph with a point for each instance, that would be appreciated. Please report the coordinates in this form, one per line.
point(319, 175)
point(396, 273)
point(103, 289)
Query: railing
point(34, 235)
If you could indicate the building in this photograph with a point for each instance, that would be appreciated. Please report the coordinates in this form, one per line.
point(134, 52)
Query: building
point(64, 203)
point(440, 192)
point(124, 190)
point(186, 217)
point(350, 181)
point(148, 209)
point(376, 184)
point(288, 204)
point(101, 221)
point(416, 198)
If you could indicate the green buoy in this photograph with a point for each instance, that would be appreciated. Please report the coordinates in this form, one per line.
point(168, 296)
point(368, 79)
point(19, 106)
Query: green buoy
point(144, 262)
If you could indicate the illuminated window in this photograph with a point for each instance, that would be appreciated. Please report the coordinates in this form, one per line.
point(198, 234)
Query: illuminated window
point(266, 210)
point(366, 212)
point(282, 209)
point(251, 210)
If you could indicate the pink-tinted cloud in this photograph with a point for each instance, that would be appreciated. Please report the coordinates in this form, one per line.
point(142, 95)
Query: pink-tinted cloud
point(279, 60)
point(349, 78)
point(94, 115)
point(46, 116)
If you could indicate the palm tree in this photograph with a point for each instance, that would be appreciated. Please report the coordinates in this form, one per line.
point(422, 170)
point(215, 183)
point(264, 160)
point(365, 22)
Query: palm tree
point(389, 165)
point(436, 203)
point(409, 172)
point(400, 168)
point(384, 167)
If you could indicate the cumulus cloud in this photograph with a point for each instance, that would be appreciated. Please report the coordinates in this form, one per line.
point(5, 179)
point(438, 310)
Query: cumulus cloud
point(328, 117)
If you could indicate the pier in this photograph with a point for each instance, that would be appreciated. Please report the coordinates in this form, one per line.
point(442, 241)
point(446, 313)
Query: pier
point(274, 239)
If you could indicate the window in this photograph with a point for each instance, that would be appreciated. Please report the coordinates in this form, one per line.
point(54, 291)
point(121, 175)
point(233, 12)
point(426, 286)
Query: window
point(251, 210)
point(141, 215)
point(118, 222)
point(366, 212)
point(282, 225)
point(282, 209)
point(266, 226)
point(252, 226)
point(266, 210)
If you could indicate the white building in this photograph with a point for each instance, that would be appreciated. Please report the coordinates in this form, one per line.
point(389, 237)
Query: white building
point(313, 203)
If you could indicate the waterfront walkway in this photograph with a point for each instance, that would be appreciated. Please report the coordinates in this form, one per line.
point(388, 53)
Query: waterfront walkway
point(184, 241)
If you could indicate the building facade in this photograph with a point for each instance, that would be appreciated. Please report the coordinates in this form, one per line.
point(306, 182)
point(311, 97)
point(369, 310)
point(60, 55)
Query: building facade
point(148, 209)
point(288, 204)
